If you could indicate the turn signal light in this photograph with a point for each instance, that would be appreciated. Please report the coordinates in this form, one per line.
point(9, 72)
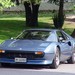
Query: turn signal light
point(2, 51)
point(38, 53)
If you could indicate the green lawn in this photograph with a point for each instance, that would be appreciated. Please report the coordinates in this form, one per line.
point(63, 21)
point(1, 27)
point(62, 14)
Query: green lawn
point(11, 24)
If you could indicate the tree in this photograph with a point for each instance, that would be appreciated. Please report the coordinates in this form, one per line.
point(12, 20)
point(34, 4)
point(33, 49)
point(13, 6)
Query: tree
point(5, 4)
point(31, 10)
point(73, 33)
point(32, 13)
point(59, 16)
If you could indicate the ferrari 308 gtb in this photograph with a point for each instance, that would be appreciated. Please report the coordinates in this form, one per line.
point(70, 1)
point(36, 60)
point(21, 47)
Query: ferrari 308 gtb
point(38, 47)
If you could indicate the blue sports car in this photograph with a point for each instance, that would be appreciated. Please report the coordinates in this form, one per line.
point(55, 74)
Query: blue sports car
point(38, 47)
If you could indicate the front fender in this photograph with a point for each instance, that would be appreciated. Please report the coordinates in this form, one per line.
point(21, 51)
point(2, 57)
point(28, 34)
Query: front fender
point(51, 48)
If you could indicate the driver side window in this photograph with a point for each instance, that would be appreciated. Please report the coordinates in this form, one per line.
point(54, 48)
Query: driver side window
point(60, 37)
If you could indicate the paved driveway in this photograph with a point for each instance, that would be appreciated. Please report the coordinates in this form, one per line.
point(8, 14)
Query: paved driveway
point(63, 69)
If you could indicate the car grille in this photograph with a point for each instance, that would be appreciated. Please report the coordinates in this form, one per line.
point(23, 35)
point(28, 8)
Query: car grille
point(12, 55)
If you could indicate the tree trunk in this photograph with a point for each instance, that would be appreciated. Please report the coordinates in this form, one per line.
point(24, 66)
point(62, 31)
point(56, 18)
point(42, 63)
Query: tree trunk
point(58, 18)
point(17, 2)
point(31, 14)
point(28, 13)
point(35, 15)
point(73, 33)
point(61, 14)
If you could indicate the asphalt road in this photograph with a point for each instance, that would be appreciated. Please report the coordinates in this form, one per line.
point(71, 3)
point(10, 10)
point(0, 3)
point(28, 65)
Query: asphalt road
point(63, 69)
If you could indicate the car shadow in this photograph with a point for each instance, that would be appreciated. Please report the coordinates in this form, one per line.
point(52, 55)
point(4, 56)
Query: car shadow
point(33, 70)
point(23, 66)
point(33, 67)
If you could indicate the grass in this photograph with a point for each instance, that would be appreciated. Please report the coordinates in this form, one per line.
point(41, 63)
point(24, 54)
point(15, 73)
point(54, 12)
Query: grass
point(11, 24)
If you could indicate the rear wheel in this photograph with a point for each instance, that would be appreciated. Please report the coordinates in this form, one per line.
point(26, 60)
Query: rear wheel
point(56, 60)
point(71, 60)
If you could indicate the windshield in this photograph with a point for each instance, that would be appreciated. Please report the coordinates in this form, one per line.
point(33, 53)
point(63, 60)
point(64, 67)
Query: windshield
point(34, 35)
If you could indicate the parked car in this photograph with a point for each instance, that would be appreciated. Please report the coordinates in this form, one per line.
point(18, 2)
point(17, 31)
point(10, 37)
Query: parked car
point(38, 47)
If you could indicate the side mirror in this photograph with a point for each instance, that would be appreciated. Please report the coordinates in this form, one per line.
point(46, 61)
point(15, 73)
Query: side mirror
point(12, 38)
point(60, 39)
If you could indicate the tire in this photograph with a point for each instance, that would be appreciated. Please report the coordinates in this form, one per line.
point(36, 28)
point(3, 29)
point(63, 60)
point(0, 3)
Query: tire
point(56, 60)
point(71, 60)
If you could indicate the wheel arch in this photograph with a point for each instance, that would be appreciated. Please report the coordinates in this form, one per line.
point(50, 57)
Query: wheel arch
point(59, 49)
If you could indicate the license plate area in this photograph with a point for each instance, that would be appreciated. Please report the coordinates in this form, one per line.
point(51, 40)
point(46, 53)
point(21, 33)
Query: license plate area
point(20, 60)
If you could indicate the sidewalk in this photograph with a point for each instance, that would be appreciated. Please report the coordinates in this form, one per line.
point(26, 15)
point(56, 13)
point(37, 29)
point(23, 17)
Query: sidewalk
point(70, 18)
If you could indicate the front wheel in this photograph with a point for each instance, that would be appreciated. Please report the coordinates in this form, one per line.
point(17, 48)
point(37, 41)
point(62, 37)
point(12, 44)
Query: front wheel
point(56, 60)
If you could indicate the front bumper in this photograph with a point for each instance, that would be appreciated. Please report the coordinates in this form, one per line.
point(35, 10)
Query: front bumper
point(33, 62)
point(48, 58)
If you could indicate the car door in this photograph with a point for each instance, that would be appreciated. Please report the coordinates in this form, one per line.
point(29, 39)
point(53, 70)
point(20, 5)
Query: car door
point(65, 45)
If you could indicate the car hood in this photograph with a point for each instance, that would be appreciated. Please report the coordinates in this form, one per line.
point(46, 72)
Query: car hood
point(26, 45)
